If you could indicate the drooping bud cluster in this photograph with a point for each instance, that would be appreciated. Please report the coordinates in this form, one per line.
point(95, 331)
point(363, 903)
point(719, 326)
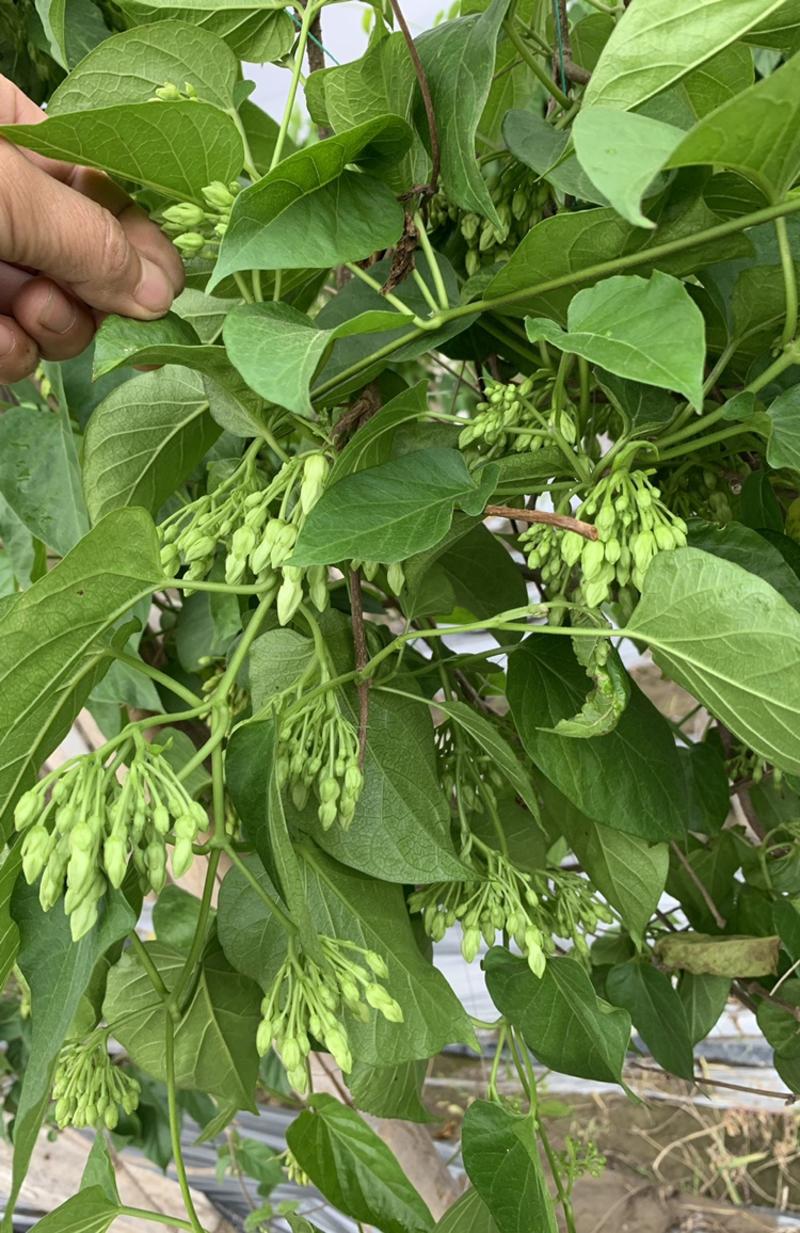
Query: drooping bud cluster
point(318, 749)
point(83, 836)
point(395, 574)
point(531, 908)
point(89, 1090)
point(507, 419)
point(195, 230)
point(306, 1000)
point(258, 539)
point(700, 491)
point(745, 765)
point(633, 525)
point(519, 196)
point(294, 1171)
point(170, 93)
point(468, 775)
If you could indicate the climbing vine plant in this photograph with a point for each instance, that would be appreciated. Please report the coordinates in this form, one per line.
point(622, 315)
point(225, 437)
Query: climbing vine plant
point(506, 345)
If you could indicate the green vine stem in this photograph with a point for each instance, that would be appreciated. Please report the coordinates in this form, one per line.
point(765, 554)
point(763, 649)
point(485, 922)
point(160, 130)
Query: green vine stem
point(175, 1127)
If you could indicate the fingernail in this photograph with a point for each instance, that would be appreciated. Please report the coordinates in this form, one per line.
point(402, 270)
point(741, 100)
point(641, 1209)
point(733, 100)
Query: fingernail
point(59, 314)
point(154, 293)
point(8, 340)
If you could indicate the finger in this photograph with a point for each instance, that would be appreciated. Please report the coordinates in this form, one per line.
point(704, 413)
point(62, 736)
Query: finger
point(59, 325)
point(11, 280)
point(18, 354)
point(77, 242)
point(17, 108)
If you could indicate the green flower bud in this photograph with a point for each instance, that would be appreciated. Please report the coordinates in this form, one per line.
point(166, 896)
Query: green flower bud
point(571, 547)
point(470, 224)
point(28, 807)
point(243, 541)
point(595, 593)
point(264, 1037)
point(663, 536)
point(380, 1000)
point(156, 862)
point(290, 1053)
point(197, 548)
point(218, 195)
point(161, 819)
point(592, 555)
point(395, 578)
point(298, 1078)
point(613, 550)
point(317, 582)
point(190, 243)
point(471, 942)
point(315, 472)
point(290, 596)
point(182, 857)
point(185, 215)
point(168, 93)
point(83, 919)
point(336, 1044)
point(235, 569)
point(35, 849)
point(643, 548)
point(377, 963)
point(328, 813)
point(115, 859)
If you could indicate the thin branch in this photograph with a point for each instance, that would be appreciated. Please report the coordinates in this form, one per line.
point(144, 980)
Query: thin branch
point(718, 918)
point(425, 91)
point(788, 1098)
point(563, 521)
point(361, 660)
point(572, 71)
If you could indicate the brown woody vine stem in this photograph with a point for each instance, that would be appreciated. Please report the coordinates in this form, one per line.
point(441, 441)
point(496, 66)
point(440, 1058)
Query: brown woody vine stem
point(563, 521)
point(427, 99)
point(719, 919)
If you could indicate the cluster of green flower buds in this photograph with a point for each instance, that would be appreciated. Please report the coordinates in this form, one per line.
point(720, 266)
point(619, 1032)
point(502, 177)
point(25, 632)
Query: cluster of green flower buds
point(530, 908)
point(468, 775)
point(633, 524)
point(196, 230)
point(745, 765)
point(82, 836)
point(307, 999)
point(294, 1170)
point(701, 491)
point(258, 540)
point(508, 419)
point(170, 93)
point(318, 749)
point(519, 196)
point(395, 574)
point(89, 1090)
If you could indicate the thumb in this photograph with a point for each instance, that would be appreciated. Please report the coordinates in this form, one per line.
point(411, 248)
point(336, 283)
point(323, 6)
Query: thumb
point(48, 226)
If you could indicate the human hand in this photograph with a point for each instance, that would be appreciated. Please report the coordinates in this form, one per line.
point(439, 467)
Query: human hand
point(72, 247)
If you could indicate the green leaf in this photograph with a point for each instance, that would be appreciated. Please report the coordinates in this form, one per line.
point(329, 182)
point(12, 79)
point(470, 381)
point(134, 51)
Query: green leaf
point(622, 153)
point(629, 780)
point(9, 933)
point(99, 1169)
point(780, 1026)
point(145, 439)
point(476, 573)
point(469, 1214)
point(606, 700)
point(40, 477)
point(704, 999)
point(755, 133)
point(390, 1091)
point(277, 659)
point(387, 513)
point(215, 1041)
point(721, 78)
point(401, 828)
point(783, 447)
point(354, 1169)
point(558, 249)
point(174, 148)
point(458, 58)
point(204, 313)
point(628, 871)
point(647, 330)
point(656, 1011)
point(55, 639)
point(120, 340)
point(89, 1211)
point(536, 143)
point(175, 917)
point(381, 82)
point(255, 30)
point(502, 1161)
point(58, 972)
point(564, 1023)
point(278, 349)
point(749, 549)
point(732, 641)
point(128, 67)
point(370, 913)
point(372, 444)
point(658, 42)
point(250, 777)
point(703, 955)
point(285, 220)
